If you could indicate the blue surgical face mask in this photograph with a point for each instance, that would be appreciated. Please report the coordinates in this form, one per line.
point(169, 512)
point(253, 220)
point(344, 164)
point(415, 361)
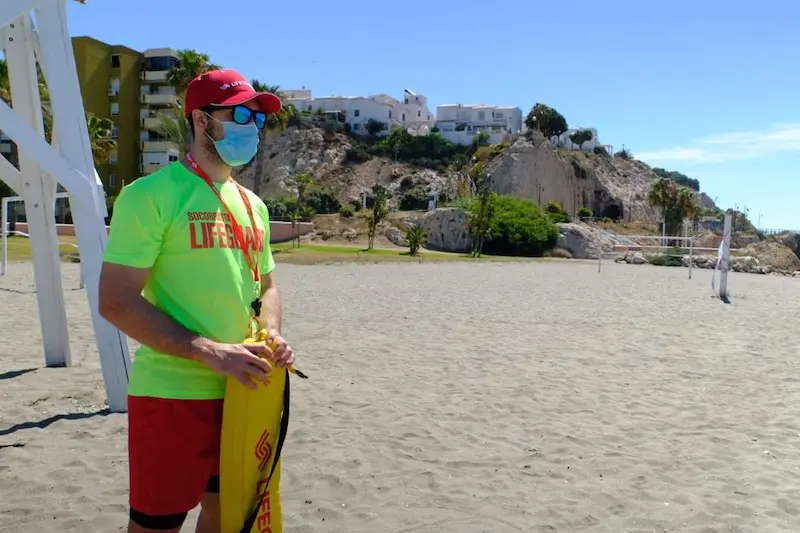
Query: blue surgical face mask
point(239, 143)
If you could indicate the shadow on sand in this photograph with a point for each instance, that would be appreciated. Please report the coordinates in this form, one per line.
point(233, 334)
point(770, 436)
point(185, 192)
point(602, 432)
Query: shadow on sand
point(11, 374)
point(41, 424)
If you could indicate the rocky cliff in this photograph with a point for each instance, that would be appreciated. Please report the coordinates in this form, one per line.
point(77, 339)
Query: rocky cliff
point(313, 150)
point(530, 167)
point(610, 186)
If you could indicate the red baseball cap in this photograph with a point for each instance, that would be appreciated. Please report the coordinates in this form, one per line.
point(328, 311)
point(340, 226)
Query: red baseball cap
point(224, 88)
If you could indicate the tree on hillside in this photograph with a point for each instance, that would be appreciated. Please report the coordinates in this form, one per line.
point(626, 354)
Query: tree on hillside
point(624, 154)
point(580, 137)
point(373, 127)
point(380, 210)
point(480, 139)
point(675, 202)
point(546, 120)
point(679, 178)
point(302, 182)
point(481, 209)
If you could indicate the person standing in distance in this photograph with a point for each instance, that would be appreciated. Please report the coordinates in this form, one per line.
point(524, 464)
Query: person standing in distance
point(187, 271)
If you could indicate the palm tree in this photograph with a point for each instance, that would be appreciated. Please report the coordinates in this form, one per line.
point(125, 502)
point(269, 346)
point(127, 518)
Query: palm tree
point(303, 182)
point(175, 127)
point(275, 123)
point(675, 202)
point(5, 95)
point(5, 82)
point(191, 64)
point(100, 131)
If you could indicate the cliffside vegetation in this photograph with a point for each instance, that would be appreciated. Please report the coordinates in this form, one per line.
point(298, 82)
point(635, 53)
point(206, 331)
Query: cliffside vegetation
point(428, 151)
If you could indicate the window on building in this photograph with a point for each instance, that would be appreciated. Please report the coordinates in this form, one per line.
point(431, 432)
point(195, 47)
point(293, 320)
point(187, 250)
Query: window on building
point(404, 117)
point(112, 157)
point(419, 113)
point(481, 115)
point(114, 60)
point(112, 181)
point(390, 113)
point(155, 158)
point(357, 113)
point(173, 158)
point(115, 132)
point(160, 63)
point(114, 109)
point(309, 107)
point(356, 127)
point(114, 87)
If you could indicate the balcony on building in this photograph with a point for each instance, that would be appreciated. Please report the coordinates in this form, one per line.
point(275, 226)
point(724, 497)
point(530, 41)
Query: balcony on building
point(161, 99)
point(157, 63)
point(150, 123)
point(149, 169)
point(152, 161)
point(154, 76)
point(158, 146)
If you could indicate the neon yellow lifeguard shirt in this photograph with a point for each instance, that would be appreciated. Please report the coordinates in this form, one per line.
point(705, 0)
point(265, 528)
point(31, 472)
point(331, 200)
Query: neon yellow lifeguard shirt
point(173, 223)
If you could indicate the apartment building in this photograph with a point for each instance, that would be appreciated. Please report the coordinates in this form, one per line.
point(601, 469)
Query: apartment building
point(128, 87)
point(156, 96)
point(109, 81)
point(460, 123)
point(411, 113)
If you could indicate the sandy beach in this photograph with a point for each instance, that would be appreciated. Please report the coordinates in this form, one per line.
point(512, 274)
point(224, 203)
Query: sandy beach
point(460, 398)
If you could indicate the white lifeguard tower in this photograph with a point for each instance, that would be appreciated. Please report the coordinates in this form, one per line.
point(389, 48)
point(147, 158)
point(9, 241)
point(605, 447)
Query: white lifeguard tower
point(68, 161)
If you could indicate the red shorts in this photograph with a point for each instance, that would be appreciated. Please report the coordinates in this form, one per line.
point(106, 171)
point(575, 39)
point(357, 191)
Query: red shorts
point(173, 450)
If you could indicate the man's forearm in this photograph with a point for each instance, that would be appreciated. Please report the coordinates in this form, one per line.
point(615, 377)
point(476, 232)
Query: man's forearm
point(271, 314)
point(145, 323)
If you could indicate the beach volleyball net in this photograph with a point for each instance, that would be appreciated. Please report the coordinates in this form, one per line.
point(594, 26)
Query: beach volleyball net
point(676, 251)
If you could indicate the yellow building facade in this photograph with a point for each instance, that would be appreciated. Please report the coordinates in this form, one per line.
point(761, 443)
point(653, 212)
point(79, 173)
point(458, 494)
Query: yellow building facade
point(129, 88)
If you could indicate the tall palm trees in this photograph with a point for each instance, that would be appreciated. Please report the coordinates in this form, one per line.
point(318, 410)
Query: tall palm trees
point(5, 82)
point(675, 202)
point(175, 127)
point(100, 137)
point(191, 64)
point(303, 182)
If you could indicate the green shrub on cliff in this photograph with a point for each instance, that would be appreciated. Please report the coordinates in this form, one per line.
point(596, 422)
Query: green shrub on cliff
point(430, 151)
point(414, 199)
point(519, 228)
point(556, 212)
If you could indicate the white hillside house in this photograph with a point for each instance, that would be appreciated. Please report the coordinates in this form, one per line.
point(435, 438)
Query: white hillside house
point(460, 123)
point(411, 113)
point(564, 141)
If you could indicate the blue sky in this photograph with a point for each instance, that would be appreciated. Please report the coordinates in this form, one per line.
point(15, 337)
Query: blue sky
point(708, 88)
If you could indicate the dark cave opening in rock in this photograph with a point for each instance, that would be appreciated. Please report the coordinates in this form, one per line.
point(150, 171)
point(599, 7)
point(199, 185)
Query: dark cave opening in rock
point(613, 211)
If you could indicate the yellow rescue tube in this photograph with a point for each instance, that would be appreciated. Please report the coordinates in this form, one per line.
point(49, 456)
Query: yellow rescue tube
point(254, 423)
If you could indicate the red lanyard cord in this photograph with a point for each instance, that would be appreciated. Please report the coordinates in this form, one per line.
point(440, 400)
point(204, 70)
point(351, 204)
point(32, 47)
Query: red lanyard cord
point(237, 229)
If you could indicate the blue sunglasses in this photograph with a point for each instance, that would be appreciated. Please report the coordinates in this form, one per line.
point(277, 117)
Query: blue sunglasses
point(243, 115)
